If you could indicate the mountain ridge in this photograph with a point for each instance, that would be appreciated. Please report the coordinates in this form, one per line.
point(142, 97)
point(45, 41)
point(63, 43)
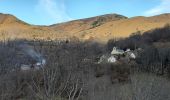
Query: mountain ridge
point(99, 28)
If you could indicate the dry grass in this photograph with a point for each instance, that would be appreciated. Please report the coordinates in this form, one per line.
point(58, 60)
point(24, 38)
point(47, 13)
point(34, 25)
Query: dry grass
point(119, 27)
point(142, 87)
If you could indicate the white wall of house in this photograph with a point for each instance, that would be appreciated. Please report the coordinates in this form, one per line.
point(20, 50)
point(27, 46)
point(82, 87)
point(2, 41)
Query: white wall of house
point(112, 59)
point(116, 51)
point(25, 67)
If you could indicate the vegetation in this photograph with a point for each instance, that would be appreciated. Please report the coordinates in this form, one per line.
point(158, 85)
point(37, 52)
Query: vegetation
point(138, 40)
point(95, 24)
point(72, 71)
point(154, 57)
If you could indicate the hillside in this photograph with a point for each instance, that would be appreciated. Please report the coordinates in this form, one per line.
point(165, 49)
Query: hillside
point(125, 27)
point(99, 28)
point(13, 28)
point(77, 26)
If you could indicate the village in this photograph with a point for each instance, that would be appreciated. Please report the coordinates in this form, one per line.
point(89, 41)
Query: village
point(119, 56)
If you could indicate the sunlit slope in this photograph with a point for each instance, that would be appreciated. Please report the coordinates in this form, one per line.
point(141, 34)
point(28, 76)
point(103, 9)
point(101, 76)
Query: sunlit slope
point(125, 27)
point(99, 28)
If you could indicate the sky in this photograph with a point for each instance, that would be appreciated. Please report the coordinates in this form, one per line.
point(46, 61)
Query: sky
point(47, 12)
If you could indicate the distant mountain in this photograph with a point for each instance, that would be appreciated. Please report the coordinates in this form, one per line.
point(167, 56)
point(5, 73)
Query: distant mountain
point(13, 28)
point(99, 28)
point(10, 19)
point(78, 27)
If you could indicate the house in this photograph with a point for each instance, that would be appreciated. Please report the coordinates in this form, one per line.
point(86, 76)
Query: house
point(130, 54)
point(107, 58)
point(111, 59)
point(118, 55)
point(116, 51)
point(103, 59)
point(25, 67)
point(36, 66)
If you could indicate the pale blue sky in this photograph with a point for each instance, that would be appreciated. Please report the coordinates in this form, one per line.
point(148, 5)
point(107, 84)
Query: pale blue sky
point(47, 12)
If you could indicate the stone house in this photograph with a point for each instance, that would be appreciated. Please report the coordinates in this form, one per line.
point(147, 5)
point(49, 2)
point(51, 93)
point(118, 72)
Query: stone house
point(116, 51)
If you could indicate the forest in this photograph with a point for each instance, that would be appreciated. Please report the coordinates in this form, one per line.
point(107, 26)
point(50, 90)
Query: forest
point(68, 70)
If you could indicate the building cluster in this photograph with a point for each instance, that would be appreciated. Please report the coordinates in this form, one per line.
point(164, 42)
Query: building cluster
point(118, 55)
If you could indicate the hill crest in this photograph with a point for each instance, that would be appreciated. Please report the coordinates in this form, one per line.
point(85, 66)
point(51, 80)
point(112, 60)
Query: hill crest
point(99, 28)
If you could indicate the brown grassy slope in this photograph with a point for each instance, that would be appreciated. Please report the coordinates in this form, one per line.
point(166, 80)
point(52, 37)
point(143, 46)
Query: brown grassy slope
point(78, 26)
point(125, 27)
point(107, 27)
point(13, 28)
point(19, 29)
point(85, 24)
point(116, 27)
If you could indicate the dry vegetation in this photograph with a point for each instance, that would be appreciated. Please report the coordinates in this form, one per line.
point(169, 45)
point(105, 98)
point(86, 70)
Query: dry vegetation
point(100, 28)
point(71, 72)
